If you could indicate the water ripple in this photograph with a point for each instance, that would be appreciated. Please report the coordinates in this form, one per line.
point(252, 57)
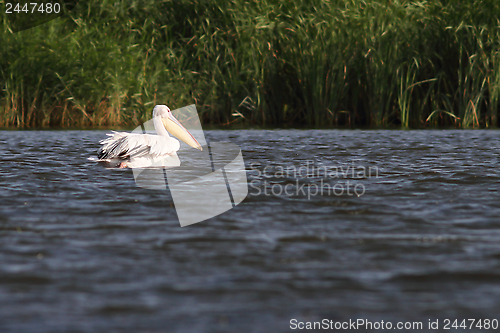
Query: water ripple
point(83, 249)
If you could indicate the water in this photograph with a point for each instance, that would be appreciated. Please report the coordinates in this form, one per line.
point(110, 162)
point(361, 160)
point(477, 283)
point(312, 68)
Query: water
point(82, 249)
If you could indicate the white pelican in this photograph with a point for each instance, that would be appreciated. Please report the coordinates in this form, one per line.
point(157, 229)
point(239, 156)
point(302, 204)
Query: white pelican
point(131, 150)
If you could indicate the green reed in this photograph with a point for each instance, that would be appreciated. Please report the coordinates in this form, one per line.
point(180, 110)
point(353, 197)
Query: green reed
point(379, 63)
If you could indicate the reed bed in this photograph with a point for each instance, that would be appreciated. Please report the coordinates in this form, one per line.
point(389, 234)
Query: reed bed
point(409, 64)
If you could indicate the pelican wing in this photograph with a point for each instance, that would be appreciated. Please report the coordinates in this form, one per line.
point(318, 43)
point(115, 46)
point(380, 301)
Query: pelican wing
point(124, 145)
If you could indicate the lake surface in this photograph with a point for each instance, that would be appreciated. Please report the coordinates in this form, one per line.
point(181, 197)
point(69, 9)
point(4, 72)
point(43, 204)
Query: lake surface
point(83, 249)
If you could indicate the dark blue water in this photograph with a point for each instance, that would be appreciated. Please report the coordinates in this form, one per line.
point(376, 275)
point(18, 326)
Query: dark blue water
point(83, 249)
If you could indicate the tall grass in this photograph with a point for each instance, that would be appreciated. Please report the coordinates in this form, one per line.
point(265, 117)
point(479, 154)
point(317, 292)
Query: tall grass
point(372, 63)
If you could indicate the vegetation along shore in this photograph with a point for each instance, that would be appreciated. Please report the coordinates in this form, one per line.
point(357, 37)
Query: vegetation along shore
point(409, 64)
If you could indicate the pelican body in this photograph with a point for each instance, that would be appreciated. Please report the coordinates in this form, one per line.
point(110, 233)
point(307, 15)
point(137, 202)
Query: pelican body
point(133, 150)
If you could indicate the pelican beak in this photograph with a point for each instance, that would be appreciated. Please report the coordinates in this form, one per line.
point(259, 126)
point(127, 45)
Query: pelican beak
point(174, 127)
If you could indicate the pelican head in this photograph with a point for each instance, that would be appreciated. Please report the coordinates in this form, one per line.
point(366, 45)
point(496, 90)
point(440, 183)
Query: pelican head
point(173, 126)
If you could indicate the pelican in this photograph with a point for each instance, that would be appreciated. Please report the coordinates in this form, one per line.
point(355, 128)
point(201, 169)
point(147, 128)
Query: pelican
point(133, 150)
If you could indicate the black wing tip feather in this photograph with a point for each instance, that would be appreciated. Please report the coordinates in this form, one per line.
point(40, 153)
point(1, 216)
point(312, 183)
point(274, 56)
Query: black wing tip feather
point(115, 150)
point(112, 150)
